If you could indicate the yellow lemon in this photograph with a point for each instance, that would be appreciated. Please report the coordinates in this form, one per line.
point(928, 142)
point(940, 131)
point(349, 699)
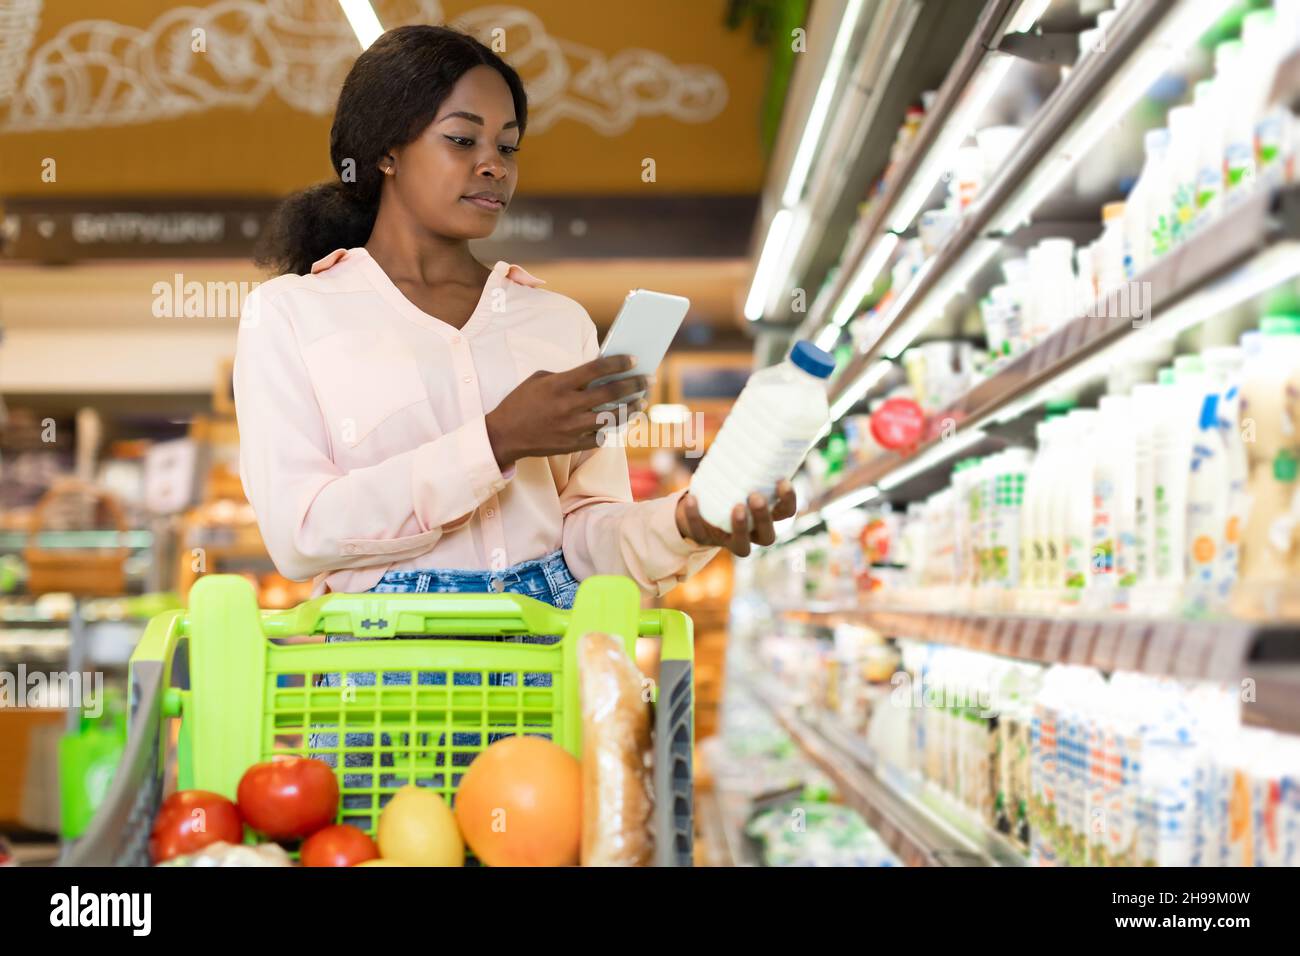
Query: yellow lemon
point(418, 829)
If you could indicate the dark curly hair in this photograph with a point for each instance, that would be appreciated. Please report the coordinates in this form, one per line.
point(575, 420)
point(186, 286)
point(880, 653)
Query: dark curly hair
point(392, 93)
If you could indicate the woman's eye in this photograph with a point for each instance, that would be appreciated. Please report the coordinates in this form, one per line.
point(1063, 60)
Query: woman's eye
point(461, 140)
point(509, 150)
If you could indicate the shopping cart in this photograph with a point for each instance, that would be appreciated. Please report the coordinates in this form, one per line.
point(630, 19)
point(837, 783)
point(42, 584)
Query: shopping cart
point(245, 685)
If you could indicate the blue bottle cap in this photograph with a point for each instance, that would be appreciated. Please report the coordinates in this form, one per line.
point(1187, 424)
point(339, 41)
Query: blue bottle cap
point(811, 359)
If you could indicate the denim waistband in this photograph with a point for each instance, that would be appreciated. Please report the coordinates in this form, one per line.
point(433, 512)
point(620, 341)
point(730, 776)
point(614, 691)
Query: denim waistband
point(552, 566)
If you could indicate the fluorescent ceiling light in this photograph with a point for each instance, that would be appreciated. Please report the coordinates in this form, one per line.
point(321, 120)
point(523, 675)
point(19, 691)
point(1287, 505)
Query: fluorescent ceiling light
point(812, 131)
point(850, 501)
point(766, 271)
point(800, 218)
point(798, 526)
point(1171, 42)
point(936, 454)
point(864, 280)
point(827, 337)
point(865, 383)
point(1028, 15)
point(363, 20)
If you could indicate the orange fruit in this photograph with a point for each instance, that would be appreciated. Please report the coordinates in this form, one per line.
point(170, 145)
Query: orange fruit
point(520, 804)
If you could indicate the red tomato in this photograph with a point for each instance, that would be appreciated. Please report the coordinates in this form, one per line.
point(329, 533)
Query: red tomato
point(288, 797)
point(338, 845)
point(191, 819)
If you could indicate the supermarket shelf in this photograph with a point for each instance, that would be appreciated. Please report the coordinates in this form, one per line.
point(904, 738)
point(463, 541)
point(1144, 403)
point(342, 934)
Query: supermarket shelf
point(914, 830)
point(990, 27)
point(1190, 649)
point(18, 540)
point(1067, 105)
point(1233, 239)
point(1275, 699)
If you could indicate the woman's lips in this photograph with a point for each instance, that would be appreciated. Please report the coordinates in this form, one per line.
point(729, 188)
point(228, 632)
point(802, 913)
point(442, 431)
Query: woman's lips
point(490, 204)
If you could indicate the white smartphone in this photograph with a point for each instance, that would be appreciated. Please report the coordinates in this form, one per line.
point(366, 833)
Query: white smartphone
point(644, 328)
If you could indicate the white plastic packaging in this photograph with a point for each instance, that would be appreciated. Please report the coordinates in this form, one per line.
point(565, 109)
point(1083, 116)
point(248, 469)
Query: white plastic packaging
point(769, 430)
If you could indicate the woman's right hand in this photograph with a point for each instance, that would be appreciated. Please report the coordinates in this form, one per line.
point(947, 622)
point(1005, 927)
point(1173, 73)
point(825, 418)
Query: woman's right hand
point(551, 413)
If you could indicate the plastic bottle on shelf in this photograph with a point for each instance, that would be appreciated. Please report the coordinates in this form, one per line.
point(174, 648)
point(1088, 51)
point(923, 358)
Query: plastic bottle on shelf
point(1032, 556)
point(1009, 475)
point(1143, 235)
point(1207, 505)
point(1248, 83)
point(1268, 414)
point(1180, 403)
point(1076, 499)
point(1114, 537)
point(1223, 364)
point(1209, 160)
point(1018, 284)
point(1184, 132)
point(1148, 401)
point(769, 430)
point(1227, 58)
point(1108, 260)
point(1269, 129)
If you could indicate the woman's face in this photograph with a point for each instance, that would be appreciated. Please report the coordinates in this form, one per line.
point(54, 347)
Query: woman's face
point(467, 150)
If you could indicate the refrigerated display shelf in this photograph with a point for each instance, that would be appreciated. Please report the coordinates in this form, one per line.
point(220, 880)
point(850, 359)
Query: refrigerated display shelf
point(992, 23)
point(920, 831)
point(1267, 655)
point(1067, 105)
point(1256, 225)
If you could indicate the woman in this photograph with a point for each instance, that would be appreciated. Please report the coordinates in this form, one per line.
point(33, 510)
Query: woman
point(411, 420)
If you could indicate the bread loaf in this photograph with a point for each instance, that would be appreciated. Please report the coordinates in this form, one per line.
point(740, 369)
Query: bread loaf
point(617, 791)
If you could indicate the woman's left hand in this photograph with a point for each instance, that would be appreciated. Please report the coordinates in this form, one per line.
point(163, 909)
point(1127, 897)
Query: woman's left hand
point(752, 524)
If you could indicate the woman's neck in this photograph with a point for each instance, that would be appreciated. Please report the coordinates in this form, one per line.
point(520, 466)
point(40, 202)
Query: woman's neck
point(408, 253)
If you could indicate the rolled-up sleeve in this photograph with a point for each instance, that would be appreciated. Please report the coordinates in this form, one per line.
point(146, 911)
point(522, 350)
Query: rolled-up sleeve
point(606, 532)
point(316, 517)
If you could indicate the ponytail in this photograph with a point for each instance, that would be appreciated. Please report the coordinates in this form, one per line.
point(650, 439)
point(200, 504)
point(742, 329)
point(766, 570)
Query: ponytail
point(311, 224)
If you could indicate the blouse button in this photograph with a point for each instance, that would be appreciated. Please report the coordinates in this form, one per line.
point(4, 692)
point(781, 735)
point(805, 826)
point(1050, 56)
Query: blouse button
point(455, 340)
point(468, 379)
point(490, 513)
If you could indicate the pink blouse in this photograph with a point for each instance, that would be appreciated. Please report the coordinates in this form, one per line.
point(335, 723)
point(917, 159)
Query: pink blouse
point(364, 449)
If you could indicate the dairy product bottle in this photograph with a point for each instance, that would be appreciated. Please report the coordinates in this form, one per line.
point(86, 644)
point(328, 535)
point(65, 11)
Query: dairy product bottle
point(1238, 131)
point(1209, 162)
point(1175, 431)
point(1076, 499)
point(1223, 364)
point(1114, 532)
point(1141, 236)
point(768, 432)
point(1033, 559)
point(1147, 408)
point(1009, 475)
point(1184, 132)
point(1207, 505)
point(1269, 419)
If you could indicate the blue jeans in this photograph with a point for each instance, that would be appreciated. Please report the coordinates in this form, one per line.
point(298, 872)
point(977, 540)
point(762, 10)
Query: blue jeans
point(546, 578)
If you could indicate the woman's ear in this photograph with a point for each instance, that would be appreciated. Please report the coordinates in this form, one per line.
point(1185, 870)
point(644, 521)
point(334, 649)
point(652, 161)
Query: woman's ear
point(388, 164)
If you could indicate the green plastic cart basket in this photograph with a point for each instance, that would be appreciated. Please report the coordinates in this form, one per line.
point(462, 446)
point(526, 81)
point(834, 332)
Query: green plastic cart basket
point(246, 685)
